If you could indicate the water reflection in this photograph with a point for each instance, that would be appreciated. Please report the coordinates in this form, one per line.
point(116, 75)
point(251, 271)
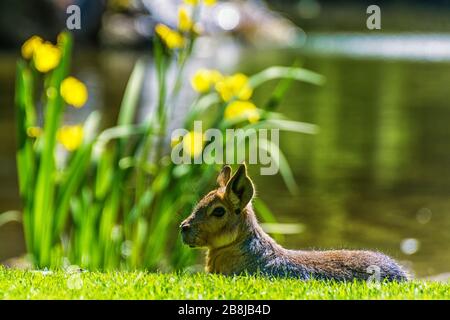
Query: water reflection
point(435, 47)
point(379, 166)
point(409, 246)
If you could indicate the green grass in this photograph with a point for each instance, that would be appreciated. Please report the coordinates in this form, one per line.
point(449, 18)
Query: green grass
point(18, 284)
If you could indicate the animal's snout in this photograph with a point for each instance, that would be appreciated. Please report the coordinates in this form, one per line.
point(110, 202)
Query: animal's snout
point(186, 233)
point(185, 227)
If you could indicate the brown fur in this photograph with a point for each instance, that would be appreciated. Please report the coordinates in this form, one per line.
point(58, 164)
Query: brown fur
point(237, 244)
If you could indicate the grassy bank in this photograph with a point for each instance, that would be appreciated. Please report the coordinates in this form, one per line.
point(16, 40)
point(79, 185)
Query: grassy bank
point(17, 284)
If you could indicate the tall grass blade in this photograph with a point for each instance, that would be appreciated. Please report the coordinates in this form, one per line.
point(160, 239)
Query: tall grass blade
point(280, 159)
point(276, 72)
point(45, 185)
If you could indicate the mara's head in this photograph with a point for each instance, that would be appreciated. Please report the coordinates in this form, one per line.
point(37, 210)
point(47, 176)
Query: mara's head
point(218, 218)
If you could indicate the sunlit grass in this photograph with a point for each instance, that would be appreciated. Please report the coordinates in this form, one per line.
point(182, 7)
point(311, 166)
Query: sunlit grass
point(18, 284)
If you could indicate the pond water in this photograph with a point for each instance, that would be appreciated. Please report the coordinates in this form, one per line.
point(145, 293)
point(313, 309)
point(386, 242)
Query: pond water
point(376, 176)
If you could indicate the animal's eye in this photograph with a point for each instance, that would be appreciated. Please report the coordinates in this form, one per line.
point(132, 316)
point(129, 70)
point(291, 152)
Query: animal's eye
point(218, 212)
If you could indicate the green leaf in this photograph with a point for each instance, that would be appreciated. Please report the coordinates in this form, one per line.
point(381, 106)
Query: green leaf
point(118, 132)
point(73, 176)
point(280, 91)
point(286, 125)
point(132, 93)
point(26, 157)
point(200, 106)
point(275, 72)
point(43, 204)
point(280, 160)
point(263, 211)
point(266, 214)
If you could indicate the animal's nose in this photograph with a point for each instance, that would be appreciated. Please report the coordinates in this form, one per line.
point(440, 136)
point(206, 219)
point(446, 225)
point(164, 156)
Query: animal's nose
point(185, 227)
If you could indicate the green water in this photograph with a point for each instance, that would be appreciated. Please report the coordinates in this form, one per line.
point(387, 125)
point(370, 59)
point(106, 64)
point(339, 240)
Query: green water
point(377, 174)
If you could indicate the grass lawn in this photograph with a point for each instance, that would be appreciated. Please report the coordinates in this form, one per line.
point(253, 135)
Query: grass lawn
point(19, 284)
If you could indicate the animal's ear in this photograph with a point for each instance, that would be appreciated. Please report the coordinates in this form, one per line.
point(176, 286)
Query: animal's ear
point(240, 189)
point(224, 176)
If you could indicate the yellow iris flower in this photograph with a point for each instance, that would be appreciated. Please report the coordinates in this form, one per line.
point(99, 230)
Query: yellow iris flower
point(30, 46)
point(46, 57)
point(191, 2)
point(71, 137)
point(204, 79)
point(171, 38)
point(242, 110)
point(185, 23)
point(193, 143)
point(234, 86)
point(34, 132)
point(74, 92)
point(196, 2)
point(210, 2)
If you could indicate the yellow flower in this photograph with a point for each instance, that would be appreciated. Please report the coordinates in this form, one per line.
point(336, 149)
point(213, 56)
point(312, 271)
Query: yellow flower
point(34, 132)
point(242, 110)
point(74, 92)
point(61, 38)
point(196, 2)
point(70, 137)
point(193, 143)
point(185, 23)
point(204, 79)
point(171, 38)
point(192, 2)
point(46, 57)
point(235, 86)
point(30, 46)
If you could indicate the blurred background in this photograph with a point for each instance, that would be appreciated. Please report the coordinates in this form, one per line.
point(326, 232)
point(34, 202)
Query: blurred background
point(376, 176)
